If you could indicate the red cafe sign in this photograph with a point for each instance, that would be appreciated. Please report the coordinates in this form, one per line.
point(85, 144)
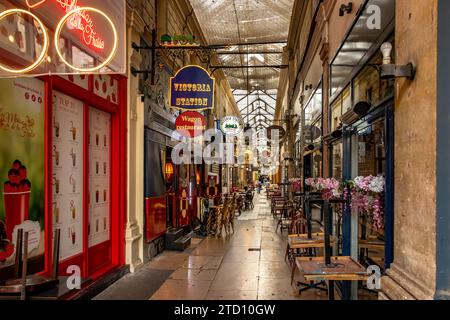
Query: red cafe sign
point(79, 21)
point(190, 124)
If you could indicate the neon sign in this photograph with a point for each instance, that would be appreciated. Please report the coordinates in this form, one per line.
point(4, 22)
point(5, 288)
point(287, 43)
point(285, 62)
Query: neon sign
point(76, 12)
point(79, 21)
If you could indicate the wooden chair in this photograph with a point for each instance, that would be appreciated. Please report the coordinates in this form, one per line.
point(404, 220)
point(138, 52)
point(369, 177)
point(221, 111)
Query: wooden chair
point(276, 205)
point(284, 214)
point(23, 285)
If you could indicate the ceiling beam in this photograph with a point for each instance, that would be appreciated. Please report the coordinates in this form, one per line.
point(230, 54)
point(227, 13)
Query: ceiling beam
point(275, 66)
point(247, 53)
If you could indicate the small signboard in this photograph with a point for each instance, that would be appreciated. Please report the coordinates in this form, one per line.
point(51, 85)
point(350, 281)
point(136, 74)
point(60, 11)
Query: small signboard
point(231, 126)
point(190, 124)
point(192, 88)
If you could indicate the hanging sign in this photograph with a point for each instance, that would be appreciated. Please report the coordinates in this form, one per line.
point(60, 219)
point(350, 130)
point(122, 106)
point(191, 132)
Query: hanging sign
point(192, 88)
point(280, 129)
point(190, 124)
point(231, 126)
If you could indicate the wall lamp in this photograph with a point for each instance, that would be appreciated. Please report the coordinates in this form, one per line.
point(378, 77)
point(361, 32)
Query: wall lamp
point(389, 71)
point(337, 134)
point(346, 9)
point(362, 108)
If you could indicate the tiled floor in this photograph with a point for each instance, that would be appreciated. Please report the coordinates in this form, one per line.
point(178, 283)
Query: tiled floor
point(247, 265)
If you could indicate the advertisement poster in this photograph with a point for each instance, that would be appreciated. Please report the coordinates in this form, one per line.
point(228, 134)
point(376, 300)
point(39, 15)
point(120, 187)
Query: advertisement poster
point(68, 173)
point(99, 176)
point(22, 166)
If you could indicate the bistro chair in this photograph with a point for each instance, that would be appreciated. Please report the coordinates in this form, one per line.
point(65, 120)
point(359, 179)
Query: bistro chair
point(23, 285)
point(285, 215)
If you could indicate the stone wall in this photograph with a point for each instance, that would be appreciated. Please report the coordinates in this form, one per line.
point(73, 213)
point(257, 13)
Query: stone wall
point(413, 274)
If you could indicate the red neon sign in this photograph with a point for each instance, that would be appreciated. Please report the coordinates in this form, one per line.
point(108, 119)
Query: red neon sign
point(80, 21)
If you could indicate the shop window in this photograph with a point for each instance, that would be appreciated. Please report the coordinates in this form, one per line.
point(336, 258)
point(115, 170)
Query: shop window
point(313, 109)
point(81, 59)
point(12, 32)
point(337, 161)
point(68, 174)
point(99, 176)
point(346, 100)
point(336, 113)
point(371, 150)
point(368, 85)
point(313, 116)
point(317, 164)
point(371, 161)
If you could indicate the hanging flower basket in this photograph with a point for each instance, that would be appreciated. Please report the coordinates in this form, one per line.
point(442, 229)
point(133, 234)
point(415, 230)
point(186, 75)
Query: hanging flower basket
point(330, 188)
point(368, 199)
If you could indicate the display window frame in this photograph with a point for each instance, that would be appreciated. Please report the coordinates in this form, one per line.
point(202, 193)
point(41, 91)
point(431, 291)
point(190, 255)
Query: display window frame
point(114, 248)
point(380, 108)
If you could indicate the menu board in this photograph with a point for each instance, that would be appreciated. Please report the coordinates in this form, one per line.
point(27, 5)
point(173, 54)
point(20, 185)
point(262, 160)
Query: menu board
point(68, 173)
point(99, 176)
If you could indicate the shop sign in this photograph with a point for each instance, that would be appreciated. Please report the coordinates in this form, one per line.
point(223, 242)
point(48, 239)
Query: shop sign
point(280, 129)
point(178, 40)
point(231, 126)
point(190, 124)
point(94, 27)
point(192, 88)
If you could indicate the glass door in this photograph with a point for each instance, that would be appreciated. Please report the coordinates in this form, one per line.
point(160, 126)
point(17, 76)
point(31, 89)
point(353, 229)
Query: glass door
point(99, 225)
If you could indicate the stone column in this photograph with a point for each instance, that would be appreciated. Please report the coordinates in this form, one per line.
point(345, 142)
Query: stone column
point(413, 273)
point(135, 136)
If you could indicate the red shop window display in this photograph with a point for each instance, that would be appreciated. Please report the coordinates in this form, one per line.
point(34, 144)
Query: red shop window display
point(68, 173)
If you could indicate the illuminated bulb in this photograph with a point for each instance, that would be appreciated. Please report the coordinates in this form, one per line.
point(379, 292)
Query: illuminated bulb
point(49, 59)
point(11, 38)
point(386, 49)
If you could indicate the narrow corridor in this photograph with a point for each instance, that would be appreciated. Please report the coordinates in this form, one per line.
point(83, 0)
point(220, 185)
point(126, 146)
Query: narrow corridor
point(247, 265)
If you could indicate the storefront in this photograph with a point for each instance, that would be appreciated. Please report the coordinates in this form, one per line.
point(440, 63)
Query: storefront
point(69, 154)
point(361, 123)
point(312, 155)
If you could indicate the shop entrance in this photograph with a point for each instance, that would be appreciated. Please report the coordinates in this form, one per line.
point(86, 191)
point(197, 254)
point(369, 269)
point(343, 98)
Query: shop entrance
point(85, 133)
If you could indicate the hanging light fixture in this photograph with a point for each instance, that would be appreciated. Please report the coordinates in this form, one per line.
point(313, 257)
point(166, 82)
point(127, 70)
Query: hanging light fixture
point(169, 170)
point(197, 177)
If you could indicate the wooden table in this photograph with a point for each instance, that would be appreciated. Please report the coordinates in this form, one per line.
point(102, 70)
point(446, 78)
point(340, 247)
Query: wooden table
point(341, 269)
point(302, 242)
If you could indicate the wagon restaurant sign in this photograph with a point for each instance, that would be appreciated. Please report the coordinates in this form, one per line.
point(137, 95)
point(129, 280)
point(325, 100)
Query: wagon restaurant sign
point(190, 124)
point(39, 37)
point(192, 88)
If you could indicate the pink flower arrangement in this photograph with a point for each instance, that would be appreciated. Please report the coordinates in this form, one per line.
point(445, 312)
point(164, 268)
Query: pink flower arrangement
point(367, 198)
point(366, 195)
point(330, 188)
